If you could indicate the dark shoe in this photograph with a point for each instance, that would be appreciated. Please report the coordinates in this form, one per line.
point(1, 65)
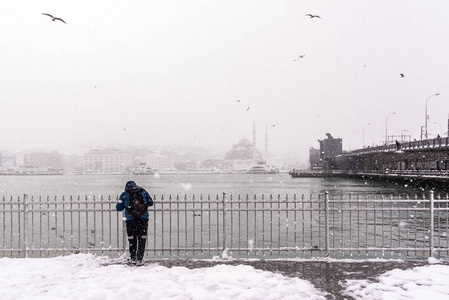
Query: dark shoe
point(139, 263)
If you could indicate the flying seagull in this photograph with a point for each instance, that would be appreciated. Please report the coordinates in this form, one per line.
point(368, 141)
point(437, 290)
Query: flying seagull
point(313, 16)
point(301, 56)
point(402, 75)
point(54, 18)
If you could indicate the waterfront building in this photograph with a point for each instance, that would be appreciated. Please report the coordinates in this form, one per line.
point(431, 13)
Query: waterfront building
point(160, 161)
point(242, 156)
point(329, 149)
point(315, 159)
point(108, 161)
point(52, 160)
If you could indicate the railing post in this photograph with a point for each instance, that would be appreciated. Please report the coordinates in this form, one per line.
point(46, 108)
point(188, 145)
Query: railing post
point(326, 207)
point(125, 234)
point(224, 254)
point(432, 246)
point(25, 225)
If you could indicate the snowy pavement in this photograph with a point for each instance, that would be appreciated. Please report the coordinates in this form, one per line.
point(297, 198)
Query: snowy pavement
point(85, 276)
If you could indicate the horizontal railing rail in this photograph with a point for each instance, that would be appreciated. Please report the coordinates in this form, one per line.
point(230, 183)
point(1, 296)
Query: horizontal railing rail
point(227, 225)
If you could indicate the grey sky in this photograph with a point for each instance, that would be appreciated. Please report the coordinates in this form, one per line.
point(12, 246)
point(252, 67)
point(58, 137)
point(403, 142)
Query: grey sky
point(171, 72)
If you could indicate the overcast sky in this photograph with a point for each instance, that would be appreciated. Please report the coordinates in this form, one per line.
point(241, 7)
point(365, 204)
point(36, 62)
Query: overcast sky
point(170, 72)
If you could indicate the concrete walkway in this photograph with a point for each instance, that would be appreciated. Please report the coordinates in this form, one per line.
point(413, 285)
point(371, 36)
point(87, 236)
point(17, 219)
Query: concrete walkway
point(327, 276)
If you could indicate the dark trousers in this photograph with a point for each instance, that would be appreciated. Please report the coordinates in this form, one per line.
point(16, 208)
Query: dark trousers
point(137, 237)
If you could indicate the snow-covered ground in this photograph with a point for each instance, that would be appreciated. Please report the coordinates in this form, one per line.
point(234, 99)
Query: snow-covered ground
point(85, 276)
point(427, 282)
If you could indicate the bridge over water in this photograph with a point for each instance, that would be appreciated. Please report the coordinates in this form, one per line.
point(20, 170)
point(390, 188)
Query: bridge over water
point(424, 161)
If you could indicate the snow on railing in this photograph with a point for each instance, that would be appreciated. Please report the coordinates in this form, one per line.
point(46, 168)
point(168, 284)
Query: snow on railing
point(232, 226)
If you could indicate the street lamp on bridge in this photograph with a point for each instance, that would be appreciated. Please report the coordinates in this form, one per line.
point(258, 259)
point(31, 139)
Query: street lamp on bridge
point(386, 127)
point(364, 134)
point(427, 116)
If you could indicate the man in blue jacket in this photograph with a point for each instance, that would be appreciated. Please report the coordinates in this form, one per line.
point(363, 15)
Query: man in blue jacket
point(137, 227)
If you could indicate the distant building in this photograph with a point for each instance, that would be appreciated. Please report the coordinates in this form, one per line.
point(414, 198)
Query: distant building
point(242, 156)
point(160, 161)
point(315, 159)
point(52, 160)
point(329, 149)
point(108, 161)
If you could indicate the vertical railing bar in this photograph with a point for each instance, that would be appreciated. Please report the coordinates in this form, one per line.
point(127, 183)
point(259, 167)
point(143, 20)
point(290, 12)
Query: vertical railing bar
point(40, 225)
point(185, 222)
point(25, 225)
point(240, 222)
point(295, 212)
point(162, 224)
point(3, 224)
point(32, 209)
point(71, 223)
point(439, 221)
point(61, 236)
point(432, 246)
point(232, 221)
point(366, 224)
point(217, 200)
point(19, 224)
point(48, 224)
point(210, 228)
point(193, 224)
point(102, 223)
point(303, 235)
point(375, 226)
point(326, 207)
point(391, 223)
point(255, 221)
point(342, 221)
point(201, 224)
point(287, 215)
point(247, 224)
point(86, 227)
point(350, 224)
point(383, 228)
point(224, 254)
point(334, 206)
point(279, 223)
point(310, 221)
point(358, 223)
point(271, 224)
point(79, 222)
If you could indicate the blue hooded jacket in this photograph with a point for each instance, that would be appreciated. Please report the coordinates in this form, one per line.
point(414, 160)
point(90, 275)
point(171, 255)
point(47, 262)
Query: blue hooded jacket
point(123, 202)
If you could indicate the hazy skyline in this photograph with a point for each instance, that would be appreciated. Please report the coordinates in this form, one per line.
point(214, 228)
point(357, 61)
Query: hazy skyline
point(171, 72)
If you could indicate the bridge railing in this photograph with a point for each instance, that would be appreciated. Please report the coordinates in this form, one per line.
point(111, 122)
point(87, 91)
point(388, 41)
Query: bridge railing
point(238, 226)
point(437, 143)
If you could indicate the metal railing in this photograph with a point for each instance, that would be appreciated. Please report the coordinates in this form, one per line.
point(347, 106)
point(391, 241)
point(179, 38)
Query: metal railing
point(237, 226)
point(436, 143)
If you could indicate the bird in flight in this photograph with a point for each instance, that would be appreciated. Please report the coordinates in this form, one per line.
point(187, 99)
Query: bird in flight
point(402, 75)
point(54, 18)
point(247, 108)
point(274, 124)
point(301, 56)
point(313, 16)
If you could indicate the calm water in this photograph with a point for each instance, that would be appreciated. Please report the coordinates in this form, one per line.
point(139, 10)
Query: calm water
point(198, 184)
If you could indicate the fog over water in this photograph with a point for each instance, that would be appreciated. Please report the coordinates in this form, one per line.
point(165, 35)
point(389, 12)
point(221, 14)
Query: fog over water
point(201, 73)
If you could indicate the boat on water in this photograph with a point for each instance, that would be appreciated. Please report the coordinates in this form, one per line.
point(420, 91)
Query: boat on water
point(262, 169)
point(144, 170)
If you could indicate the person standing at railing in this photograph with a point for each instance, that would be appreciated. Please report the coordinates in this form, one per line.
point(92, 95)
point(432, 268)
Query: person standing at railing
point(130, 200)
